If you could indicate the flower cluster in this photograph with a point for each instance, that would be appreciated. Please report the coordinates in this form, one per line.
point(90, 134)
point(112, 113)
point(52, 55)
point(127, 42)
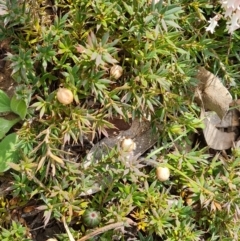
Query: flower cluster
point(231, 12)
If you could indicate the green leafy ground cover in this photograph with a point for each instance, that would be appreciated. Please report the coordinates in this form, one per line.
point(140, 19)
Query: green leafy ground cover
point(74, 44)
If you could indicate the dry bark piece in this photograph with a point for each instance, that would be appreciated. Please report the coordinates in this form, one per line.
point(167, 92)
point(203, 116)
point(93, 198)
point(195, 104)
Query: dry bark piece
point(211, 93)
point(215, 138)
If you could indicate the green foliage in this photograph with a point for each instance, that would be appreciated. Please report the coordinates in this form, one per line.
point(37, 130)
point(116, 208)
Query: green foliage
point(6, 125)
point(14, 105)
point(4, 102)
point(159, 46)
point(8, 151)
point(19, 107)
point(15, 232)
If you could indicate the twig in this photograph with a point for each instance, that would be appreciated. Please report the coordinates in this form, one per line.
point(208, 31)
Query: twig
point(127, 222)
point(32, 177)
point(71, 238)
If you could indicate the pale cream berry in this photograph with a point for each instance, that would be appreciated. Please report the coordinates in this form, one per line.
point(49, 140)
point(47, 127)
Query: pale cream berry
point(116, 72)
point(128, 145)
point(65, 96)
point(163, 173)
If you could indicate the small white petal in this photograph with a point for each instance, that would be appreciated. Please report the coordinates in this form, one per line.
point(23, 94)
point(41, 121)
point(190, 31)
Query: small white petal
point(213, 23)
point(228, 12)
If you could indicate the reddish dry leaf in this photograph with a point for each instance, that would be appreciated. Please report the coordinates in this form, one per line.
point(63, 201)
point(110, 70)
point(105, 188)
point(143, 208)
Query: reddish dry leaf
point(80, 49)
point(29, 209)
point(47, 216)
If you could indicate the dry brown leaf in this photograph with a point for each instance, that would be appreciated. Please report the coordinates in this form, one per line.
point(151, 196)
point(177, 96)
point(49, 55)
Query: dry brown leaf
point(215, 138)
point(236, 104)
point(211, 93)
point(231, 119)
point(237, 144)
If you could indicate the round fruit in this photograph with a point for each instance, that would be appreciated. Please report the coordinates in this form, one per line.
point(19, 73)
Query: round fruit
point(65, 96)
point(128, 145)
point(116, 71)
point(91, 218)
point(163, 173)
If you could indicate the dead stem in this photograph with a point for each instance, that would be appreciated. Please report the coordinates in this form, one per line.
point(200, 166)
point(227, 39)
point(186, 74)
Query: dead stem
point(98, 231)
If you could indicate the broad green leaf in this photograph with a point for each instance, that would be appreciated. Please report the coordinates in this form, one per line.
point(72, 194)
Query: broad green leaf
point(150, 105)
point(99, 60)
point(128, 8)
point(4, 102)
point(8, 151)
point(148, 19)
point(119, 111)
point(108, 58)
point(171, 23)
point(6, 125)
point(115, 97)
point(93, 39)
point(19, 107)
point(164, 25)
point(105, 81)
point(105, 38)
point(173, 10)
point(94, 55)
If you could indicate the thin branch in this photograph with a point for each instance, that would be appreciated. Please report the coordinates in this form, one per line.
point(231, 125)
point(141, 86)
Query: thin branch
point(98, 231)
point(71, 238)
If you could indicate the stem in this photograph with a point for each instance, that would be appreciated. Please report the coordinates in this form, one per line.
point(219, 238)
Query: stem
point(189, 179)
point(67, 229)
point(107, 193)
point(107, 228)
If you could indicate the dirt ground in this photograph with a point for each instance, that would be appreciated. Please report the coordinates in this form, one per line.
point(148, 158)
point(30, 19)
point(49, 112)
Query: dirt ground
point(6, 82)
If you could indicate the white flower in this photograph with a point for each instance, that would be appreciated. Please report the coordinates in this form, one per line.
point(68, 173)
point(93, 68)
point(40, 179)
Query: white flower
point(213, 23)
point(232, 3)
point(228, 12)
point(232, 13)
point(233, 24)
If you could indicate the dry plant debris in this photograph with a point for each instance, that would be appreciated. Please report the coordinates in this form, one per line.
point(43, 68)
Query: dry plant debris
point(215, 138)
point(211, 94)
